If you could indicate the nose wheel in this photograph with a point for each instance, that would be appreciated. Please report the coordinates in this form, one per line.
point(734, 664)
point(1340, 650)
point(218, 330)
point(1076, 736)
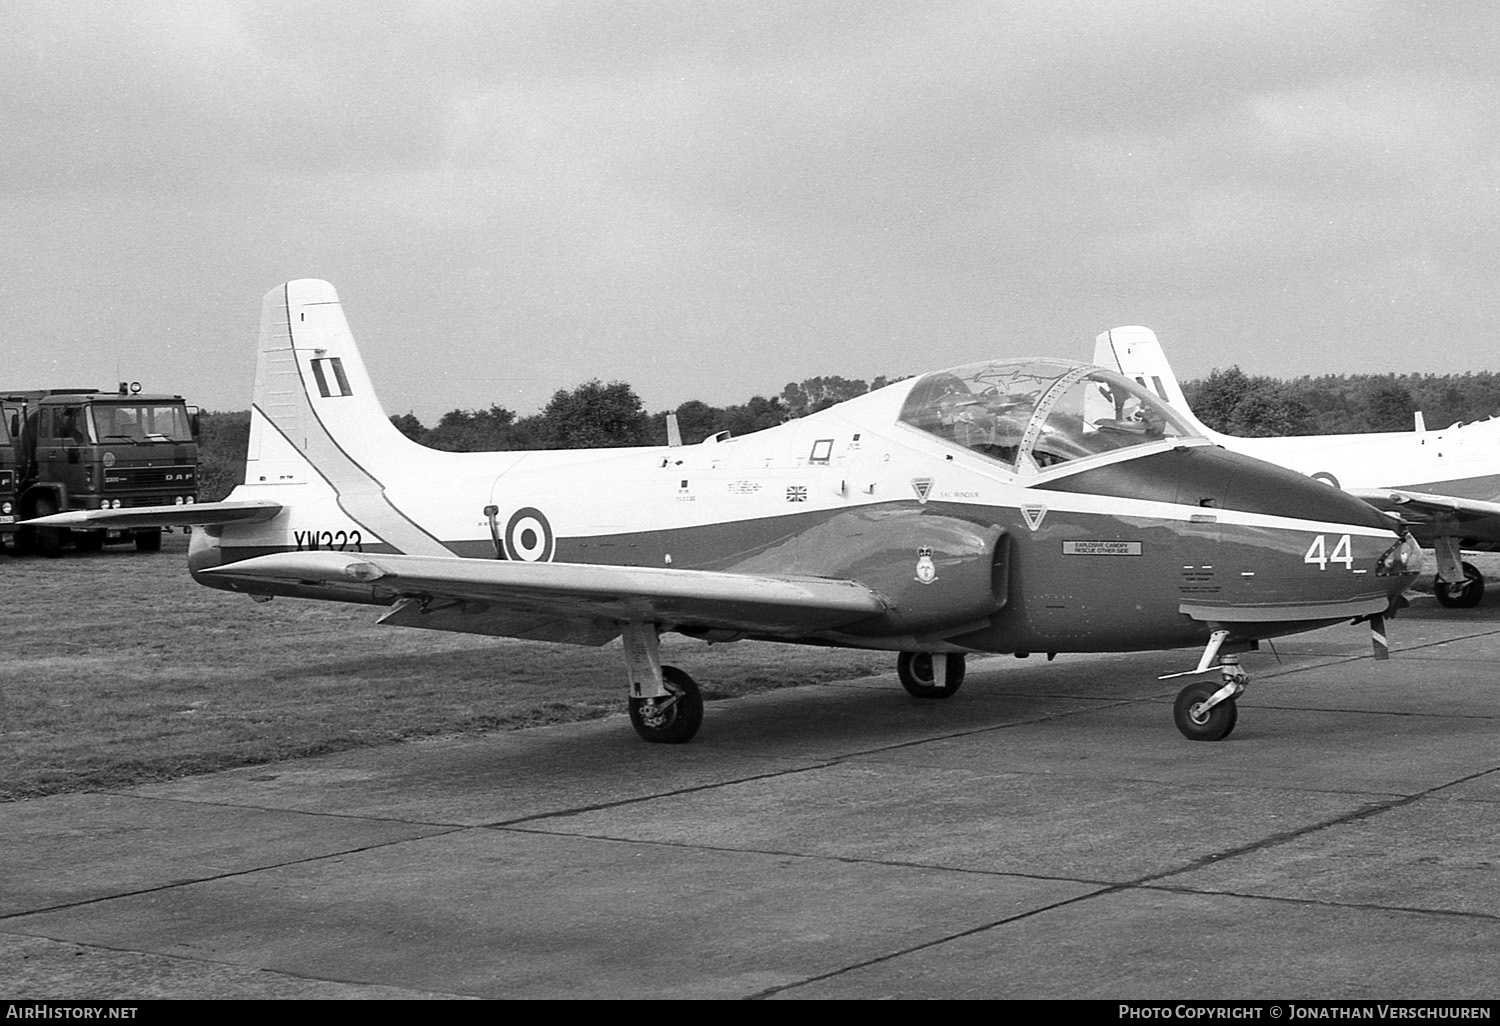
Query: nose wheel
point(1206, 711)
point(1200, 721)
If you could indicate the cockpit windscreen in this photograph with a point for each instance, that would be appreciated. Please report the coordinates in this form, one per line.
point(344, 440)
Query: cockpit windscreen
point(1035, 414)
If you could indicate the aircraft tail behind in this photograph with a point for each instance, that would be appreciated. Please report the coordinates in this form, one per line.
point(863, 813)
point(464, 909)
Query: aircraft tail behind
point(1135, 353)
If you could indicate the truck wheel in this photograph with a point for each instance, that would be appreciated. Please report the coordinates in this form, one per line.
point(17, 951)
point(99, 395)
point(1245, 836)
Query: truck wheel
point(49, 540)
point(148, 539)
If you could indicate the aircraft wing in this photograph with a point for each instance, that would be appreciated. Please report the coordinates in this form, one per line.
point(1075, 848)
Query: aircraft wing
point(200, 514)
point(1476, 517)
point(577, 603)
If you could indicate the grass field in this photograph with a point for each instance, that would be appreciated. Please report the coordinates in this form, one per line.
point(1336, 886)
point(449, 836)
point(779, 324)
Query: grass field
point(118, 669)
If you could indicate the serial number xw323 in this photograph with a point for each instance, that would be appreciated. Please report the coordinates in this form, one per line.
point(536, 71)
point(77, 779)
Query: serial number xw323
point(328, 541)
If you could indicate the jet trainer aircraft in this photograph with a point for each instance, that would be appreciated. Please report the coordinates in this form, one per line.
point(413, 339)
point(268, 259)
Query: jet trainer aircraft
point(1010, 506)
point(1444, 485)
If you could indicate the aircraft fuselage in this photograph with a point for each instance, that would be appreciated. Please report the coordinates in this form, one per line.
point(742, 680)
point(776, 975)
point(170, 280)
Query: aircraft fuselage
point(1151, 550)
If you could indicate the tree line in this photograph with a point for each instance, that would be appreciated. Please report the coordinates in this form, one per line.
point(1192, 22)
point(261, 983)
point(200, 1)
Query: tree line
point(600, 415)
point(1237, 403)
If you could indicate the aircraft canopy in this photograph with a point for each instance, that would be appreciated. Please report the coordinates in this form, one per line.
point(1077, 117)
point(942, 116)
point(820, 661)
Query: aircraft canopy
point(1035, 414)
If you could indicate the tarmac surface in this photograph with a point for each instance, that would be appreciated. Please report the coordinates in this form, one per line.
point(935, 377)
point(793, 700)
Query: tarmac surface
point(1046, 833)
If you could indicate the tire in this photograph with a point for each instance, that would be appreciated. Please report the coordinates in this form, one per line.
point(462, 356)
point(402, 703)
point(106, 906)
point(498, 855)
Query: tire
point(1461, 596)
point(88, 541)
point(1215, 725)
point(49, 540)
point(680, 721)
point(915, 672)
point(148, 539)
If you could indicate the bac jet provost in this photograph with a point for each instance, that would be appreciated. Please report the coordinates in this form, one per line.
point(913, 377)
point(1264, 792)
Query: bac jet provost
point(1006, 506)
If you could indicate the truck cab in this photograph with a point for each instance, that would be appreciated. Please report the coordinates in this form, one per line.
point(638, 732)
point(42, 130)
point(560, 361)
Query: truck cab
point(8, 508)
point(83, 449)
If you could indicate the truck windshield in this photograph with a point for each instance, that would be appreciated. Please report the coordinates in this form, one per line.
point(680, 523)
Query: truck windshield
point(139, 422)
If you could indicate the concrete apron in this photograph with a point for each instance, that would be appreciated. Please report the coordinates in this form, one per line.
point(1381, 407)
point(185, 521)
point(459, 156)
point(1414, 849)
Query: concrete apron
point(1045, 833)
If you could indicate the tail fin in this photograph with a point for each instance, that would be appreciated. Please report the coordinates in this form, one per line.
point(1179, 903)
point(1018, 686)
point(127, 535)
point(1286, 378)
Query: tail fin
point(1135, 353)
point(315, 415)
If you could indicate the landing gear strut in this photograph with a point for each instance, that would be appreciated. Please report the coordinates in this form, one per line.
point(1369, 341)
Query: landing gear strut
point(925, 675)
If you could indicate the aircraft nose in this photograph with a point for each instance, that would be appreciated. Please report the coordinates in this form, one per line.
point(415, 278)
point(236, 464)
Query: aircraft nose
point(1307, 546)
point(1265, 544)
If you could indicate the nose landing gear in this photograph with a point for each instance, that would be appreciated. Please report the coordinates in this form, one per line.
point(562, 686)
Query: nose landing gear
point(1205, 711)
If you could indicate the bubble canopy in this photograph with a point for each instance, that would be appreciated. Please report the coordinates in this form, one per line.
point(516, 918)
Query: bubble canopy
point(1035, 414)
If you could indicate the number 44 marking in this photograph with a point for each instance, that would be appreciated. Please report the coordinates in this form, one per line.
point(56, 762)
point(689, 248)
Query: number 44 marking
point(1318, 553)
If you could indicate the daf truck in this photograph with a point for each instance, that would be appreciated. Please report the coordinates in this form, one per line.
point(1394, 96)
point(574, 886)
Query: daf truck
point(85, 449)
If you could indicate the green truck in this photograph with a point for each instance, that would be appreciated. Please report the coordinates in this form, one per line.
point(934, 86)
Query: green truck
point(81, 448)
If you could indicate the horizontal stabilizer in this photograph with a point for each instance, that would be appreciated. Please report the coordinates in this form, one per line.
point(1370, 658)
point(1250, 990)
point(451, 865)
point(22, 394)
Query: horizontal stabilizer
point(581, 603)
point(201, 514)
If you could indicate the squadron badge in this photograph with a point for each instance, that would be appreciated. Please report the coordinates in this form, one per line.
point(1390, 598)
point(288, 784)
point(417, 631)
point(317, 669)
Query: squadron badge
point(926, 571)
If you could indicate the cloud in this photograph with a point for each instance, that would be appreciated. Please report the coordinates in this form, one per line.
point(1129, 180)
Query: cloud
point(721, 197)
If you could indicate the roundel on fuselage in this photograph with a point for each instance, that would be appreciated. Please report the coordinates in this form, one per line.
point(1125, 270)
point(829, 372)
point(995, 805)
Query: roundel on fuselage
point(528, 536)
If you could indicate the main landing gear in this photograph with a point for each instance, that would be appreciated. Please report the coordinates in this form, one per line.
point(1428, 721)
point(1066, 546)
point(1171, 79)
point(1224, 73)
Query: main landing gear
point(1458, 585)
point(666, 706)
point(674, 718)
point(925, 675)
point(1205, 711)
point(1464, 594)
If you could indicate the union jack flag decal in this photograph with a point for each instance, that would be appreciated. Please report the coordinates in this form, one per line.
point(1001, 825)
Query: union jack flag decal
point(796, 493)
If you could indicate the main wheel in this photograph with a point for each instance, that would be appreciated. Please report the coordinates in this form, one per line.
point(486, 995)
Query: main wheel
point(915, 671)
point(671, 720)
point(1203, 725)
point(88, 541)
point(148, 539)
point(1464, 594)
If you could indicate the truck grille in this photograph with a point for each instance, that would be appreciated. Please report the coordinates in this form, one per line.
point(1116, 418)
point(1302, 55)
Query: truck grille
point(151, 477)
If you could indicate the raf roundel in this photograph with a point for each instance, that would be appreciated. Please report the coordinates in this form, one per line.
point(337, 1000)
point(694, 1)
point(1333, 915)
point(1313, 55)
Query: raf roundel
point(528, 537)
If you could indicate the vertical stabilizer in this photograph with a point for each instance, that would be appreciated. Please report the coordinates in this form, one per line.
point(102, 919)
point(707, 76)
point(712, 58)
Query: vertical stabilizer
point(1135, 353)
point(315, 415)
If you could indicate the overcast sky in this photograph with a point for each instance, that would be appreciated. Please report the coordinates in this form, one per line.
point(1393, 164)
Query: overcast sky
point(711, 198)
